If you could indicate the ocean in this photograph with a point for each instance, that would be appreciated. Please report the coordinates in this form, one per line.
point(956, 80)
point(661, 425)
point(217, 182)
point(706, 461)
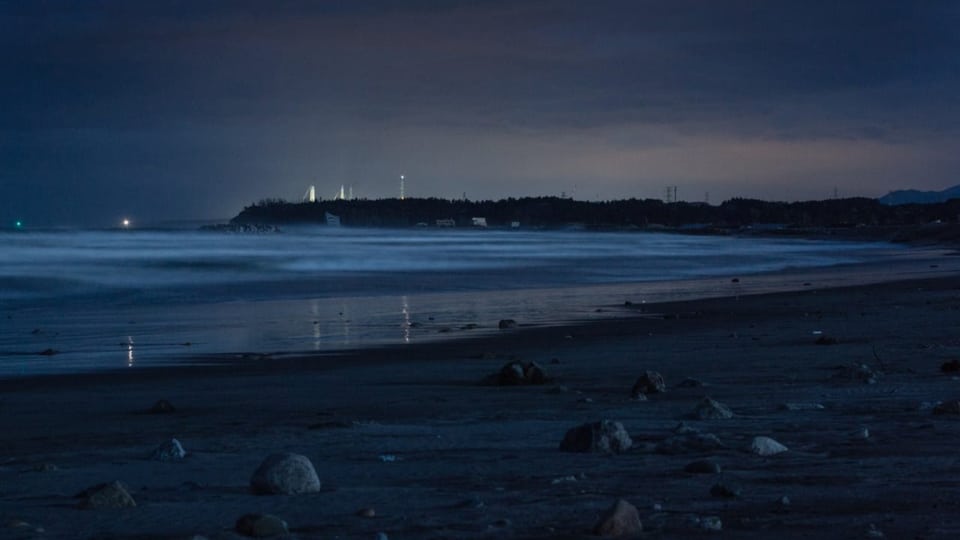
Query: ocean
point(79, 300)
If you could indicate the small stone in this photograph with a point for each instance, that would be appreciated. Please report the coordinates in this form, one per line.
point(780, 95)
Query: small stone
point(703, 466)
point(858, 373)
point(367, 513)
point(947, 407)
point(952, 366)
point(112, 495)
point(650, 382)
point(874, 532)
point(261, 526)
point(506, 323)
point(171, 450)
point(726, 490)
point(860, 434)
point(563, 480)
point(801, 406)
point(605, 436)
point(709, 409)
point(689, 383)
point(689, 440)
point(765, 446)
point(381, 536)
point(784, 501)
point(286, 474)
point(162, 407)
point(622, 519)
point(711, 523)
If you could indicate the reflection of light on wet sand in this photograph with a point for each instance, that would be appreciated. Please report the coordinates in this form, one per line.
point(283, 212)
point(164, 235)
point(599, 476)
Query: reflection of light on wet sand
point(406, 318)
point(129, 351)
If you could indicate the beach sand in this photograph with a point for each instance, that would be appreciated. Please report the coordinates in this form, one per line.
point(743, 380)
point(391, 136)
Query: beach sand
point(411, 432)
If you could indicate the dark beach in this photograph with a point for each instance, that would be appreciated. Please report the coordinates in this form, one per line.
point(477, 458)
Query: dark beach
point(412, 433)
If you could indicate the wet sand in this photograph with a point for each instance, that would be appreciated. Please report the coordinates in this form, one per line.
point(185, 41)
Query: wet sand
point(410, 431)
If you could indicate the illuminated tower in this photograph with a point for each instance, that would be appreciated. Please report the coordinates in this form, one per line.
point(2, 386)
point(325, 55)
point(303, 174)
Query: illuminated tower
point(312, 196)
point(401, 188)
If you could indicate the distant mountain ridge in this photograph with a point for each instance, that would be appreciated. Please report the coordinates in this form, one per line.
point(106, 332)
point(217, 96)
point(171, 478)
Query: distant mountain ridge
point(913, 196)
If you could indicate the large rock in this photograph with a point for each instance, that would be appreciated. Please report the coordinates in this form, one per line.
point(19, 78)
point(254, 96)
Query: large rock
point(171, 450)
point(605, 436)
point(709, 409)
point(112, 495)
point(765, 446)
point(519, 373)
point(285, 474)
point(650, 382)
point(620, 520)
point(506, 323)
point(261, 526)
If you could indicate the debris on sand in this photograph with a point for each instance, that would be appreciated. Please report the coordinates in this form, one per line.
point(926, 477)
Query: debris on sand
point(605, 436)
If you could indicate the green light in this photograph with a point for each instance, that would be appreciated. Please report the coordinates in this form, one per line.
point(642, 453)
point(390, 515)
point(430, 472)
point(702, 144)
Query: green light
point(18, 224)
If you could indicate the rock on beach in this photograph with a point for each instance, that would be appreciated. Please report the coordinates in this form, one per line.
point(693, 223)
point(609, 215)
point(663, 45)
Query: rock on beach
point(765, 446)
point(650, 382)
point(285, 474)
point(111, 495)
point(710, 409)
point(261, 526)
point(171, 450)
point(620, 520)
point(605, 436)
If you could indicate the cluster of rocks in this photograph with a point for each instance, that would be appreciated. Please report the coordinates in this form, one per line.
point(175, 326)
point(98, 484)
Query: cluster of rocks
point(517, 373)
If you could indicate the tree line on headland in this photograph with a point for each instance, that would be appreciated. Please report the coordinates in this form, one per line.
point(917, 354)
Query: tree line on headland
point(557, 212)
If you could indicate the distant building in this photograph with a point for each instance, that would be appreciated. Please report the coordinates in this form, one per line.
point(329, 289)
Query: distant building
point(479, 221)
point(446, 223)
point(332, 220)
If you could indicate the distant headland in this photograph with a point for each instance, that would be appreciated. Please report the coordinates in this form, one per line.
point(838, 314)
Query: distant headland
point(855, 217)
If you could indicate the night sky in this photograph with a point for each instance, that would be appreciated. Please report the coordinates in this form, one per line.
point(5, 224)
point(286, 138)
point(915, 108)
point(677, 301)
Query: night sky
point(164, 110)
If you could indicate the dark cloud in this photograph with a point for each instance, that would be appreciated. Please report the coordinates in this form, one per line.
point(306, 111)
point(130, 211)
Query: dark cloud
point(213, 104)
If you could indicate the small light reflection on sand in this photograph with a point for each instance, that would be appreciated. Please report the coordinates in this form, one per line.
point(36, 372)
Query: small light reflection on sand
point(130, 358)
